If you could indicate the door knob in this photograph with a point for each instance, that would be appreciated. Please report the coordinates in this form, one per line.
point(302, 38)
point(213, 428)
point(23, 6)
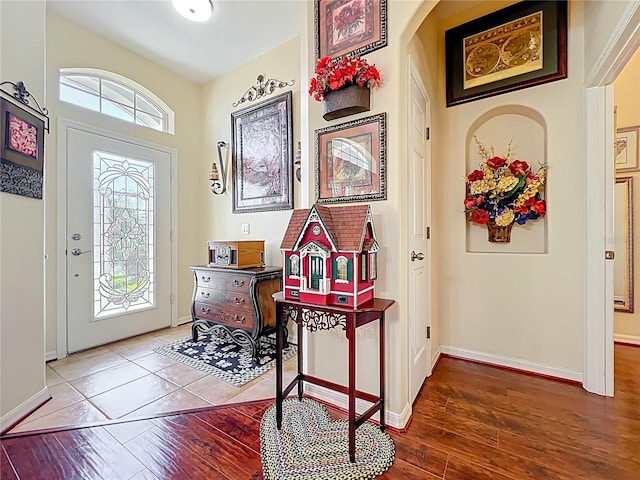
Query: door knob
point(76, 252)
point(416, 256)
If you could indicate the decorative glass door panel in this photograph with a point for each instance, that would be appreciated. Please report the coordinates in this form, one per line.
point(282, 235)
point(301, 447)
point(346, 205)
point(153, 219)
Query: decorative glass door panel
point(123, 224)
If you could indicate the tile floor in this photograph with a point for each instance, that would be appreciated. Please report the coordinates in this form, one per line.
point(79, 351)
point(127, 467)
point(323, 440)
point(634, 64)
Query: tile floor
point(126, 379)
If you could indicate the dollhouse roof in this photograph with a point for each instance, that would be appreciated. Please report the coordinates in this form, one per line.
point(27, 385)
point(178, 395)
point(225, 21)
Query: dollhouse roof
point(345, 226)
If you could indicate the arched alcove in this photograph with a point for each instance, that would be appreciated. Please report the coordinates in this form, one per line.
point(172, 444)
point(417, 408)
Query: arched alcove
point(526, 129)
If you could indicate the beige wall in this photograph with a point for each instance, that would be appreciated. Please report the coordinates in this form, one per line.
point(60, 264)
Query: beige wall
point(217, 97)
point(519, 306)
point(627, 99)
point(22, 225)
point(69, 45)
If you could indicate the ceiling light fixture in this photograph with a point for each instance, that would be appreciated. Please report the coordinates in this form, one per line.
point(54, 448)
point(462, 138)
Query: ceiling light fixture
point(196, 10)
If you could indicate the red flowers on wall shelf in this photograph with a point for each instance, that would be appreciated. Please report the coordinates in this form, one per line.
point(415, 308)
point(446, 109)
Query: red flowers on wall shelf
point(335, 73)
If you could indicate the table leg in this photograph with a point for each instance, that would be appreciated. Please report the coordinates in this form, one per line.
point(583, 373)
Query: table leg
point(279, 342)
point(300, 387)
point(382, 384)
point(351, 337)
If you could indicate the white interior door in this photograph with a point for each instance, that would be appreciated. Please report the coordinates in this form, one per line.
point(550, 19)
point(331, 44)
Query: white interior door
point(419, 218)
point(118, 239)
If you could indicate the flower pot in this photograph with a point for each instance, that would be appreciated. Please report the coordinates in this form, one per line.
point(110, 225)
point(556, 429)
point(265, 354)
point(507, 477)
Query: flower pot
point(498, 234)
point(346, 101)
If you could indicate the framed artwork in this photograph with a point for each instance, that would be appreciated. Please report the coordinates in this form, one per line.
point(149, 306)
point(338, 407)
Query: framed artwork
point(351, 161)
point(346, 26)
point(262, 156)
point(517, 47)
point(626, 149)
point(623, 275)
point(21, 150)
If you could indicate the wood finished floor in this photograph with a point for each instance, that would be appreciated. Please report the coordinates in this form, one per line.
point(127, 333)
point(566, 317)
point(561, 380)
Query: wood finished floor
point(470, 422)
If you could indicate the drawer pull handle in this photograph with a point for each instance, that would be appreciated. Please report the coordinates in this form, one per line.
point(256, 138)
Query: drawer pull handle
point(239, 301)
point(204, 295)
point(206, 279)
point(237, 283)
point(206, 310)
point(239, 319)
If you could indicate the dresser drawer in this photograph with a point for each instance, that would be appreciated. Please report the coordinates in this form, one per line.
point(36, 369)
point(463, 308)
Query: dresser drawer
point(226, 316)
point(231, 281)
point(241, 301)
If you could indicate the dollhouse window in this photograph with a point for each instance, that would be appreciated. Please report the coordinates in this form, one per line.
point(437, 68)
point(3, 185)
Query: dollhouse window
point(342, 269)
point(373, 266)
point(341, 262)
point(364, 274)
point(294, 266)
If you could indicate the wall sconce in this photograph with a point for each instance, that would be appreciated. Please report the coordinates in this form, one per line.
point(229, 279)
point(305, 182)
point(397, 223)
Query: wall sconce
point(297, 162)
point(217, 176)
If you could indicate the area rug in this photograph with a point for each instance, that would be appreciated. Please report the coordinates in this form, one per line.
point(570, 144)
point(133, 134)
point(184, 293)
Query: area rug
point(313, 446)
point(224, 359)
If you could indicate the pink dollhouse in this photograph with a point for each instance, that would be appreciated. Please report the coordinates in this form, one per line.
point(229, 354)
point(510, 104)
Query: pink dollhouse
point(330, 255)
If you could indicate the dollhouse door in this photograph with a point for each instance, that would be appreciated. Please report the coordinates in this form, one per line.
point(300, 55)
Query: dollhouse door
point(418, 198)
point(317, 272)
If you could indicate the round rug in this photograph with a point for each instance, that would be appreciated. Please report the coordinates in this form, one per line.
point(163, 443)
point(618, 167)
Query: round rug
point(313, 446)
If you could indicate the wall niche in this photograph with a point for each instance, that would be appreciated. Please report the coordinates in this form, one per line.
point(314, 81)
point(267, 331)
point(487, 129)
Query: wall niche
point(527, 131)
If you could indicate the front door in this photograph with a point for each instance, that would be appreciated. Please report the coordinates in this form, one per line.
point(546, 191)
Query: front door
point(419, 249)
point(118, 239)
point(317, 271)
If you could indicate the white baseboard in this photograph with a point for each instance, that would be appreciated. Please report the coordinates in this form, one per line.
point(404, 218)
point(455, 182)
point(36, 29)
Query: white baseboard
point(632, 339)
point(183, 320)
point(24, 409)
point(395, 420)
point(435, 357)
point(50, 356)
point(515, 363)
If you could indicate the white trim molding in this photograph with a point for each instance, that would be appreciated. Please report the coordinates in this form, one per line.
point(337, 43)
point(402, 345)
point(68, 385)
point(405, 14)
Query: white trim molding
point(435, 358)
point(510, 362)
point(629, 339)
point(340, 400)
point(48, 356)
point(24, 409)
point(598, 358)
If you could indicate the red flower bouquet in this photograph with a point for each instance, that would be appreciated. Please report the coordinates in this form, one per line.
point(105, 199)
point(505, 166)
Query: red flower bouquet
point(336, 73)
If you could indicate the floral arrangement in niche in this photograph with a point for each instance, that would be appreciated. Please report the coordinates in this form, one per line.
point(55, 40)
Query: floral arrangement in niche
point(504, 191)
point(335, 73)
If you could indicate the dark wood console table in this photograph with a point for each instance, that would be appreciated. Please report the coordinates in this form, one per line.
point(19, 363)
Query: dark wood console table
point(325, 317)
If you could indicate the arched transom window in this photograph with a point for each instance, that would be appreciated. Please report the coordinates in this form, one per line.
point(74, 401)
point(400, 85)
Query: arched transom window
point(116, 96)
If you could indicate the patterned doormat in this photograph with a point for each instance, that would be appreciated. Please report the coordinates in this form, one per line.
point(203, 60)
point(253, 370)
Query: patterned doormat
point(313, 446)
point(224, 359)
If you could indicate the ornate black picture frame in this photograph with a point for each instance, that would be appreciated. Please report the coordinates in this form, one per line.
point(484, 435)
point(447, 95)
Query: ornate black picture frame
point(349, 26)
point(262, 156)
point(22, 131)
point(517, 47)
point(350, 161)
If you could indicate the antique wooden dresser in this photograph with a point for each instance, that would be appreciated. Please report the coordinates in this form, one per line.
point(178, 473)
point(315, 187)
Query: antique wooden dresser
point(237, 302)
